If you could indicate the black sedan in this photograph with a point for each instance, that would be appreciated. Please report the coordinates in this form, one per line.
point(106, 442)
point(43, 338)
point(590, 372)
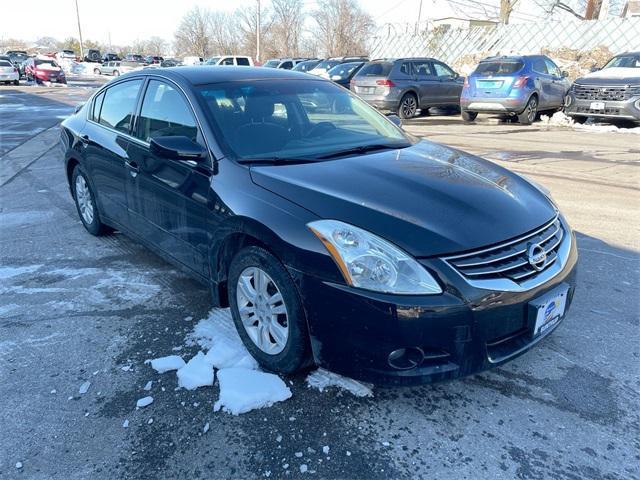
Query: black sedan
point(336, 238)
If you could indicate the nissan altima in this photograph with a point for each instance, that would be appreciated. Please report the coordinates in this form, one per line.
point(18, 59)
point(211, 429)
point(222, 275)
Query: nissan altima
point(336, 238)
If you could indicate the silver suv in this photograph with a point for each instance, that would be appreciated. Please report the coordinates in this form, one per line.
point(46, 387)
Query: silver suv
point(406, 85)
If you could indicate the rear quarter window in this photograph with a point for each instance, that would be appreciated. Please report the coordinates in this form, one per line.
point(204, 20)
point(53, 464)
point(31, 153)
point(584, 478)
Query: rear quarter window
point(376, 69)
point(242, 61)
point(507, 67)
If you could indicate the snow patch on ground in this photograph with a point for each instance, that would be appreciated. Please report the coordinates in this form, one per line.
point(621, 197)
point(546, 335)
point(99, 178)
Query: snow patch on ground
point(198, 372)
point(166, 364)
point(322, 379)
point(8, 272)
point(242, 390)
point(559, 119)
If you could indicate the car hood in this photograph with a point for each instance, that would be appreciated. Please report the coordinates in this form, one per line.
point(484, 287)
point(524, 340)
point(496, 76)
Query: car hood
point(428, 199)
point(611, 76)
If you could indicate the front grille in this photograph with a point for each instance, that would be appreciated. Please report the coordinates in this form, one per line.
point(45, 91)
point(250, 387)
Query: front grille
point(611, 94)
point(511, 260)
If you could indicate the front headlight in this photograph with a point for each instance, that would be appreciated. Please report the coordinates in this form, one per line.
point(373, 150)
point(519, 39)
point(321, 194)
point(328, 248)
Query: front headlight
point(367, 261)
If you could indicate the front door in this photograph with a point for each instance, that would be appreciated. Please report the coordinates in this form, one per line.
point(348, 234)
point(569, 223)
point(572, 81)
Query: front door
point(167, 197)
point(558, 84)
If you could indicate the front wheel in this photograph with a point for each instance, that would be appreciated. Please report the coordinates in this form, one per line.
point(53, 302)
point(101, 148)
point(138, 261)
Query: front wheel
point(86, 203)
point(96, 71)
point(530, 111)
point(408, 106)
point(468, 116)
point(116, 73)
point(16, 82)
point(268, 312)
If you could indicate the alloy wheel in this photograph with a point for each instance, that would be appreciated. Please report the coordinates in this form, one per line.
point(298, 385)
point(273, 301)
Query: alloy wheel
point(83, 197)
point(532, 109)
point(409, 106)
point(262, 310)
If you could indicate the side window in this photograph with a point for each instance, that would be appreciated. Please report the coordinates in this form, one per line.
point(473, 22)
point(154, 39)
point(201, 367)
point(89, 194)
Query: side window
point(227, 61)
point(94, 114)
point(422, 69)
point(242, 61)
point(552, 68)
point(287, 65)
point(165, 113)
point(119, 104)
point(539, 66)
point(442, 70)
point(405, 68)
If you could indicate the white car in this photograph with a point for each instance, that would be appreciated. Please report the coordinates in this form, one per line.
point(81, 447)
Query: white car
point(192, 61)
point(241, 60)
point(9, 73)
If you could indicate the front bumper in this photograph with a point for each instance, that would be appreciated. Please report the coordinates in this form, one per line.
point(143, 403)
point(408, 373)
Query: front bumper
point(463, 331)
point(622, 109)
point(9, 77)
point(45, 77)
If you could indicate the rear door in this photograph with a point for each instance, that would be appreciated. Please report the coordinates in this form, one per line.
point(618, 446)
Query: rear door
point(451, 85)
point(431, 90)
point(169, 197)
point(544, 82)
point(105, 143)
point(226, 61)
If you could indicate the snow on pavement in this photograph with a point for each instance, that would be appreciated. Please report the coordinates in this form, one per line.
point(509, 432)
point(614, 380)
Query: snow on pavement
point(322, 379)
point(166, 364)
point(560, 119)
point(198, 372)
point(243, 390)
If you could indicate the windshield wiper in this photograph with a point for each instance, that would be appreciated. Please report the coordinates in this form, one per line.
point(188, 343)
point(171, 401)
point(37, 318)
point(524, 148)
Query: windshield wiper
point(275, 161)
point(363, 149)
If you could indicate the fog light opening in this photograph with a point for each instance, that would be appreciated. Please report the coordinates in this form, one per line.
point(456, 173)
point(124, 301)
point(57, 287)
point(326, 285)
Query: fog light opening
point(406, 358)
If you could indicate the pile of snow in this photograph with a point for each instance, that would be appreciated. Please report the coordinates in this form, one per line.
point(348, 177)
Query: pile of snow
point(243, 390)
point(559, 119)
point(322, 379)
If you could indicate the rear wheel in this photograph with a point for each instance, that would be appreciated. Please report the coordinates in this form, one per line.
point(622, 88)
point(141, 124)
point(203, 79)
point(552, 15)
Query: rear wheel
point(86, 203)
point(408, 106)
point(16, 82)
point(116, 73)
point(268, 312)
point(468, 116)
point(96, 71)
point(529, 113)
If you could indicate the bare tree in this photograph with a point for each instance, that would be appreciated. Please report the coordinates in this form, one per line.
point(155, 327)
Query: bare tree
point(287, 23)
point(225, 33)
point(155, 46)
point(247, 23)
point(506, 7)
point(342, 27)
point(192, 35)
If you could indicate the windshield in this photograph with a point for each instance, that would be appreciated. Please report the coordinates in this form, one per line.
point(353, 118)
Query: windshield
point(505, 67)
point(624, 61)
point(47, 62)
point(272, 64)
point(294, 119)
point(343, 70)
point(5, 63)
point(326, 65)
point(306, 66)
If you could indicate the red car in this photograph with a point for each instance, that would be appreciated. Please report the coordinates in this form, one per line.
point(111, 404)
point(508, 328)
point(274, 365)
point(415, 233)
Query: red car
point(44, 70)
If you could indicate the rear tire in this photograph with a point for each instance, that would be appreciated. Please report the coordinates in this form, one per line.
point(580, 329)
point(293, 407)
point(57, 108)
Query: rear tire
point(530, 112)
point(96, 71)
point(579, 119)
point(116, 73)
point(86, 203)
point(16, 82)
point(244, 292)
point(468, 116)
point(408, 106)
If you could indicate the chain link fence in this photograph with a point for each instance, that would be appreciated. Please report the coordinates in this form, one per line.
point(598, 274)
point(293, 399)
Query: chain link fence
point(583, 43)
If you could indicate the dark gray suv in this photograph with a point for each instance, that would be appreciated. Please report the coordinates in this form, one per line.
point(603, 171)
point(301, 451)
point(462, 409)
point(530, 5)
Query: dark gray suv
point(406, 85)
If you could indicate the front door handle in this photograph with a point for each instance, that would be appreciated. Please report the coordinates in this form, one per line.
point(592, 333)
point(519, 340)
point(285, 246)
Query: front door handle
point(133, 167)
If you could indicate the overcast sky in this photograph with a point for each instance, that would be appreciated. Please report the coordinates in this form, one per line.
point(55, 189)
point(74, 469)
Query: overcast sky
point(128, 20)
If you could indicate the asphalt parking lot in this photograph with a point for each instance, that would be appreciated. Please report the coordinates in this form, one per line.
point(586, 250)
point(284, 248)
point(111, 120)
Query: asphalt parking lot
point(76, 308)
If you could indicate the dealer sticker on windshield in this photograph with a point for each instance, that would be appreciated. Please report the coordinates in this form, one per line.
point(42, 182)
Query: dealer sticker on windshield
point(550, 310)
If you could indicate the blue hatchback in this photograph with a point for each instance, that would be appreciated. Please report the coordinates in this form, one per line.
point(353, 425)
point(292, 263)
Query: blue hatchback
point(515, 86)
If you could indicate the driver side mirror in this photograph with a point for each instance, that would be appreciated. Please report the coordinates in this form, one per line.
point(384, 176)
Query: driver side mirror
point(594, 69)
point(564, 74)
point(395, 120)
point(177, 148)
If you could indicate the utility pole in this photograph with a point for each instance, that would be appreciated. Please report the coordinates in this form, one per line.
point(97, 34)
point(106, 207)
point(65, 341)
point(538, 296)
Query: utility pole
point(258, 34)
point(80, 32)
point(593, 9)
point(419, 15)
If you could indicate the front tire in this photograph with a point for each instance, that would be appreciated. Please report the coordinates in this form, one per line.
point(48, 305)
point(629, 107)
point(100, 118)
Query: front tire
point(267, 311)
point(116, 73)
point(530, 112)
point(86, 203)
point(408, 106)
point(96, 71)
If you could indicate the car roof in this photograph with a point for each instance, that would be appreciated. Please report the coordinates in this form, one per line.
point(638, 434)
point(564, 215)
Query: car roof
point(200, 75)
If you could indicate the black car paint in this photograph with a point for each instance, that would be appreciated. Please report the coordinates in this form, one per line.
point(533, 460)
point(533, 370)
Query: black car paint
point(428, 199)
